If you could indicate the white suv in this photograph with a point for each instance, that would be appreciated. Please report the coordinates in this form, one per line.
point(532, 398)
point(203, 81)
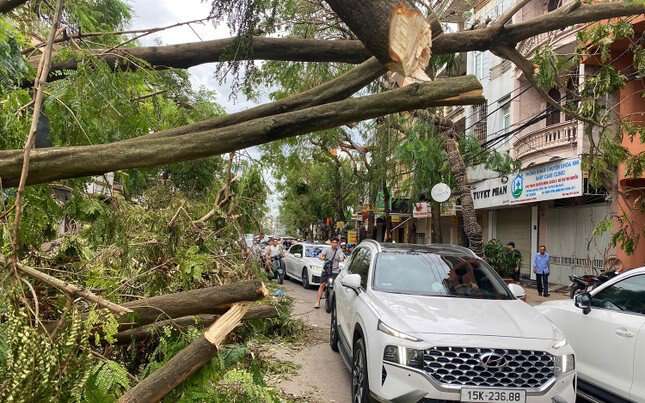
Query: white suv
point(607, 329)
point(434, 323)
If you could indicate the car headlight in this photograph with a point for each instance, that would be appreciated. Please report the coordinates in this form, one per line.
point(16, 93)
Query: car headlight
point(409, 357)
point(565, 363)
point(395, 333)
point(558, 336)
point(316, 269)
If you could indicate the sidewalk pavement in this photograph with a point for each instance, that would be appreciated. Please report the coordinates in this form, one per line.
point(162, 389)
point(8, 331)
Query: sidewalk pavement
point(533, 298)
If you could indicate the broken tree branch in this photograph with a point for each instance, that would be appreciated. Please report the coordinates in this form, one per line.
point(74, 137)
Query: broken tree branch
point(213, 300)
point(352, 51)
point(71, 289)
point(67, 162)
point(395, 31)
point(187, 361)
point(39, 96)
point(263, 311)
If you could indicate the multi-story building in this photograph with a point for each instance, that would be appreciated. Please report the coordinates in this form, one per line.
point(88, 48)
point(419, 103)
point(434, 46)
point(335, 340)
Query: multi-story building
point(549, 201)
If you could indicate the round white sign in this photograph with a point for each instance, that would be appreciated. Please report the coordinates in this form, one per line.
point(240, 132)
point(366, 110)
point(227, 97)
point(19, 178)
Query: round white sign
point(440, 192)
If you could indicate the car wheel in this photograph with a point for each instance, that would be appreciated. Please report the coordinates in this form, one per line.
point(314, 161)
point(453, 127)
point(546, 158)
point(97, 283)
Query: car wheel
point(305, 278)
point(360, 384)
point(333, 329)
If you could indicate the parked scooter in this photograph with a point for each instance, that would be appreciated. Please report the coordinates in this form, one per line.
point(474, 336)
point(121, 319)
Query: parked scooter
point(328, 290)
point(588, 282)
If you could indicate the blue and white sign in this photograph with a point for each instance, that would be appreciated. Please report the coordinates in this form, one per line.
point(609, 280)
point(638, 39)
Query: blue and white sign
point(555, 180)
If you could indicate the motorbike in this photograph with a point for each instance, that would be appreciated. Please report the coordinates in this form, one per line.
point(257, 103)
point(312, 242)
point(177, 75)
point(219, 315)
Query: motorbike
point(587, 282)
point(580, 284)
point(278, 268)
point(328, 290)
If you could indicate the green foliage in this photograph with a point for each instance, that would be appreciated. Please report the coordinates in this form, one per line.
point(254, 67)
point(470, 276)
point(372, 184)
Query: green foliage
point(107, 381)
point(503, 259)
point(13, 67)
point(37, 368)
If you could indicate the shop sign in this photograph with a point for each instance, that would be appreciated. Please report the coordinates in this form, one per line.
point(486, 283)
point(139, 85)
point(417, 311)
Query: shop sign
point(491, 193)
point(421, 210)
point(449, 208)
point(352, 237)
point(556, 180)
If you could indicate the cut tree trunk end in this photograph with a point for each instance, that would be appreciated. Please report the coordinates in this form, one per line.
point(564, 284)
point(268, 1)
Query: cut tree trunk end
point(211, 300)
point(395, 31)
point(187, 361)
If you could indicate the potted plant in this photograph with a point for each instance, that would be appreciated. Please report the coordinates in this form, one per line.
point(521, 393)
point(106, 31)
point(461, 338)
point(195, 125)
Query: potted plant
point(502, 259)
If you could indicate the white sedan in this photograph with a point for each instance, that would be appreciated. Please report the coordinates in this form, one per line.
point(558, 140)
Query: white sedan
point(303, 263)
point(606, 328)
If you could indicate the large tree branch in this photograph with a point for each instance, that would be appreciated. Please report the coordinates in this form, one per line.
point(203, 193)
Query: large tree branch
point(330, 91)
point(191, 54)
point(67, 162)
point(347, 51)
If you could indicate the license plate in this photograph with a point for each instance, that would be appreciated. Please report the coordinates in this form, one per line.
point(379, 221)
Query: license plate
point(487, 395)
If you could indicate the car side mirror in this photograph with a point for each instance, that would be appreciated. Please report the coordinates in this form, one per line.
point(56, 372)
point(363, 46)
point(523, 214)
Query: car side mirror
point(298, 255)
point(583, 301)
point(518, 291)
point(352, 281)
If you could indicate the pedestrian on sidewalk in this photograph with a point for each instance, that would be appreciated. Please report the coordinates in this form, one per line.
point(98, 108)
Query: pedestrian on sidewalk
point(542, 268)
point(516, 258)
point(332, 257)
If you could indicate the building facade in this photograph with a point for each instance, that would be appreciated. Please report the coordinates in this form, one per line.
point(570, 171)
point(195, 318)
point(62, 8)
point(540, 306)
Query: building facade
point(549, 200)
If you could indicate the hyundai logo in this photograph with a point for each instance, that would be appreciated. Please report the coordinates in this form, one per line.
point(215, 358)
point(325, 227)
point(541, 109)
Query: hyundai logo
point(492, 360)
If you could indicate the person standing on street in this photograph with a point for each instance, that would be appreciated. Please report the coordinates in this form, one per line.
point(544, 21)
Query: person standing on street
point(332, 257)
point(516, 257)
point(542, 268)
point(273, 254)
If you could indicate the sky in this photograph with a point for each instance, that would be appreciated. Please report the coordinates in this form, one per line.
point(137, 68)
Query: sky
point(159, 13)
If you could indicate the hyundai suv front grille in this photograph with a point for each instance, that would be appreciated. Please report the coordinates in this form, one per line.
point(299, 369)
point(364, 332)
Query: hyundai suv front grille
point(487, 367)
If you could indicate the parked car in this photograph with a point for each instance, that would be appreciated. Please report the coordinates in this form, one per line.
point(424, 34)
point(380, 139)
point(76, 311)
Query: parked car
point(303, 263)
point(606, 328)
point(434, 323)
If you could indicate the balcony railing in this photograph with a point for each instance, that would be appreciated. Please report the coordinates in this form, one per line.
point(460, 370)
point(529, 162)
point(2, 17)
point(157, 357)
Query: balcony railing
point(558, 135)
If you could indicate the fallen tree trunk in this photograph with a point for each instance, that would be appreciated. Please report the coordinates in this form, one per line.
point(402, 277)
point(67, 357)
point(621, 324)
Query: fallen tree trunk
point(263, 311)
point(334, 90)
point(212, 300)
point(187, 361)
point(395, 31)
point(68, 162)
point(352, 51)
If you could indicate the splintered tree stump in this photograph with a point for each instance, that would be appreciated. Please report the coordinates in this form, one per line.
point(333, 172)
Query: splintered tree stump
point(263, 311)
point(187, 361)
point(211, 300)
point(395, 31)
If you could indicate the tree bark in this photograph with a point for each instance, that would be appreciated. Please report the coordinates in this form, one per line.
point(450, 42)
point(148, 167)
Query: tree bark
point(263, 311)
point(471, 227)
point(348, 51)
point(395, 31)
point(330, 91)
point(186, 362)
point(68, 162)
point(186, 55)
point(213, 300)
point(8, 5)
point(436, 222)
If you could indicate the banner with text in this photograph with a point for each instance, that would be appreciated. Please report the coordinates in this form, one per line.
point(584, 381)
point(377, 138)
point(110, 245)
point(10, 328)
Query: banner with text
point(555, 180)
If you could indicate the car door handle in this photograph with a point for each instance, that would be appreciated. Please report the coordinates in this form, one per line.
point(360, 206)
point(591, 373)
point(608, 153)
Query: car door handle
point(622, 332)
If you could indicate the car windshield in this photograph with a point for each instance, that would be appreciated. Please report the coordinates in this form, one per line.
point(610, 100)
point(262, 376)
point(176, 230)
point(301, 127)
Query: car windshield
point(422, 273)
point(314, 251)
